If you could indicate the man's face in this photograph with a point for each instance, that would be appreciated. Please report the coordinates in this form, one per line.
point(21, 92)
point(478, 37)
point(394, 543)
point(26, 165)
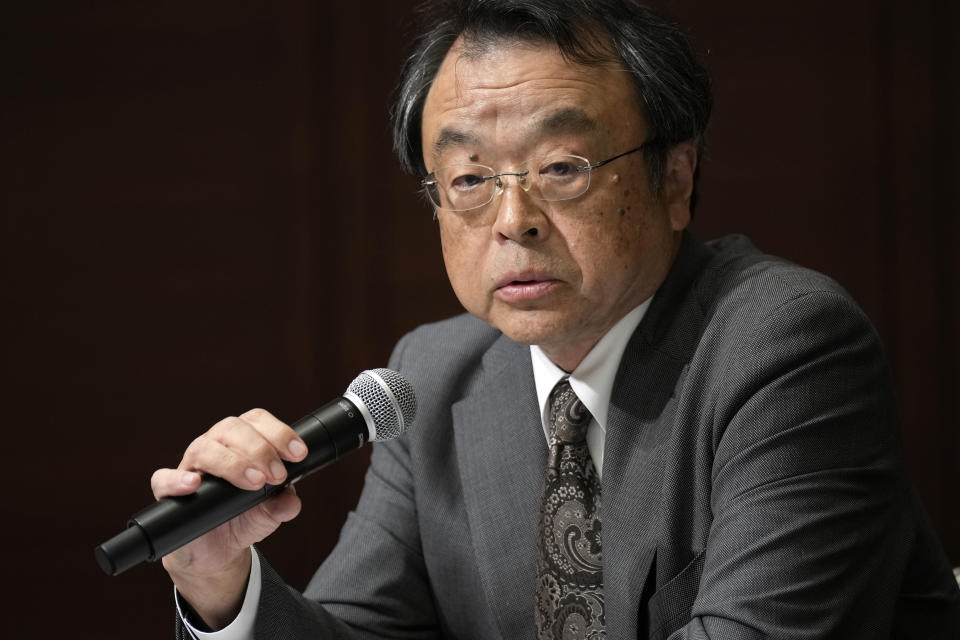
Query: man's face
point(555, 274)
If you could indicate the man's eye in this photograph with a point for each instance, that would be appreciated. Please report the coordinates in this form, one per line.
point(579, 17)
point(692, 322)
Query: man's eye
point(466, 182)
point(558, 170)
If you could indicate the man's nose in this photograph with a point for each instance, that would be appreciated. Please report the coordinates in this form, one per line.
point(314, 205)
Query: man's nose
point(520, 217)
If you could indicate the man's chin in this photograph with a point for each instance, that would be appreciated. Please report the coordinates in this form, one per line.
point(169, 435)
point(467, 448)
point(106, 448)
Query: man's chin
point(531, 327)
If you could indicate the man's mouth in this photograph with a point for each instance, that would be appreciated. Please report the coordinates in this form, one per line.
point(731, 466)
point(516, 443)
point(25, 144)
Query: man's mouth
point(523, 278)
point(525, 286)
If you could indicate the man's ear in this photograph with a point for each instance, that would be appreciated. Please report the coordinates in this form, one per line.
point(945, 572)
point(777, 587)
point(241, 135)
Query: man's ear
point(678, 183)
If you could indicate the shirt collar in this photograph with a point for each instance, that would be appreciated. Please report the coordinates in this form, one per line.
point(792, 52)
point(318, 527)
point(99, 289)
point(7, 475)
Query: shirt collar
point(592, 380)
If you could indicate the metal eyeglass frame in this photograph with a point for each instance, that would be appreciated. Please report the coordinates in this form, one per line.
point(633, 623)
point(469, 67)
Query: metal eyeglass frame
point(431, 179)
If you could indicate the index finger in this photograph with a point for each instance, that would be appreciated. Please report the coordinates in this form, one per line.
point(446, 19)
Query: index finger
point(284, 439)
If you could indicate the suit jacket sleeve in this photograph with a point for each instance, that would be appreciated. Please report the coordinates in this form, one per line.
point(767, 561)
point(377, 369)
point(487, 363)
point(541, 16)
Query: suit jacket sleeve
point(813, 522)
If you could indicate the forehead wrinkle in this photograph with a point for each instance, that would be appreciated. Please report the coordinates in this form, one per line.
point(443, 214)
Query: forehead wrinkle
point(569, 119)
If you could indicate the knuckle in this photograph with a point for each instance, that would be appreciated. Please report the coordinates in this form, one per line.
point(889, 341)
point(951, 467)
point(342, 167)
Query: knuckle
point(194, 448)
point(255, 415)
point(263, 451)
point(231, 463)
point(225, 426)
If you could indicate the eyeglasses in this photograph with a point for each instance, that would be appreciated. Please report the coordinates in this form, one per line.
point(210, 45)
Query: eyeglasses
point(462, 187)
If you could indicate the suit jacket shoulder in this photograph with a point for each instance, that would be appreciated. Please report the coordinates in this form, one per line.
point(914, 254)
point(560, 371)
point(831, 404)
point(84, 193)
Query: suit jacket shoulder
point(753, 410)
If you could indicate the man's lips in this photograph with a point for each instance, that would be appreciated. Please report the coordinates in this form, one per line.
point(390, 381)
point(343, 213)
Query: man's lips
point(525, 286)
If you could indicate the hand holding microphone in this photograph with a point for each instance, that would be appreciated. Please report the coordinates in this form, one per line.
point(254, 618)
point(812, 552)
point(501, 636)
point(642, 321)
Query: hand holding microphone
point(249, 463)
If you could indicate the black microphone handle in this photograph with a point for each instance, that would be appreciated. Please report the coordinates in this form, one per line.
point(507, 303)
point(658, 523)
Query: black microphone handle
point(166, 525)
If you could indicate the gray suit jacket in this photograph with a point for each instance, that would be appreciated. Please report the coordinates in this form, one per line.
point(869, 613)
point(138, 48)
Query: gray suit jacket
point(752, 483)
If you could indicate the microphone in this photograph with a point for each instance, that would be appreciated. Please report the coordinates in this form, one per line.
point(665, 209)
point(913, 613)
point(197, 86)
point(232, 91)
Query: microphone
point(378, 405)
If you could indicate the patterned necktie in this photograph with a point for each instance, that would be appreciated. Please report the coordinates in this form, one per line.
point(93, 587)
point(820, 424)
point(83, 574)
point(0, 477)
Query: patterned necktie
point(569, 562)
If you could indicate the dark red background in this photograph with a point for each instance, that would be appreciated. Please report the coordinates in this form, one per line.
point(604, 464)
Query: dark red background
point(201, 214)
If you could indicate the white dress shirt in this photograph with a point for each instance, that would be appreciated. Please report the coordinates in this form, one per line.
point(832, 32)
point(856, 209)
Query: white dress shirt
point(242, 626)
point(592, 381)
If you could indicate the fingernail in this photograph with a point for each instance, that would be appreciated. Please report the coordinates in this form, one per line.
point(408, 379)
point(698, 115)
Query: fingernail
point(254, 475)
point(297, 448)
point(277, 470)
point(188, 479)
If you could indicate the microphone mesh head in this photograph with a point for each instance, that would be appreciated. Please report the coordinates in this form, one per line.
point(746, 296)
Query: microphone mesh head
point(389, 398)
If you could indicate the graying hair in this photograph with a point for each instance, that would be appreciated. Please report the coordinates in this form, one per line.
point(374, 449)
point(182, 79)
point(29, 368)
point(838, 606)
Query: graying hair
point(672, 84)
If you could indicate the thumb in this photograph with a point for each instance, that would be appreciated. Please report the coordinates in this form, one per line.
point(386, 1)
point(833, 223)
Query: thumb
point(259, 522)
point(284, 506)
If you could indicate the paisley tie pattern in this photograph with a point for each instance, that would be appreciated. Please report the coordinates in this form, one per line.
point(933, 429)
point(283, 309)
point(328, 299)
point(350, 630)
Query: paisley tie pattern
point(569, 559)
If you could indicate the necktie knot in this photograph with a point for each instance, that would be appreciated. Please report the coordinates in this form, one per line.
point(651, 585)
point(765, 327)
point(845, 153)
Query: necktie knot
point(569, 418)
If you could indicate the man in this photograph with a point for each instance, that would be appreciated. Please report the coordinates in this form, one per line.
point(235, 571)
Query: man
point(632, 434)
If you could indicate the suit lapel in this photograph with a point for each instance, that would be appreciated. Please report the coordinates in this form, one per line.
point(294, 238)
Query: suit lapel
point(639, 425)
point(638, 435)
point(502, 454)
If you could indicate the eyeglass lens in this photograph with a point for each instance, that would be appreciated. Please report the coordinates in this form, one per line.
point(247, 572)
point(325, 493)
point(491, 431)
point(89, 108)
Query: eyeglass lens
point(468, 186)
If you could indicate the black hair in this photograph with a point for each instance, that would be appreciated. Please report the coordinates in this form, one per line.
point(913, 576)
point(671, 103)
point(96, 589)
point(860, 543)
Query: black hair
point(672, 84)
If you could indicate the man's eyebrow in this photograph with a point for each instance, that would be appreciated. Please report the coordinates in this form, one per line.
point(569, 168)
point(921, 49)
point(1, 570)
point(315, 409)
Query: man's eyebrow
point(453, 138)
point(567, 120)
